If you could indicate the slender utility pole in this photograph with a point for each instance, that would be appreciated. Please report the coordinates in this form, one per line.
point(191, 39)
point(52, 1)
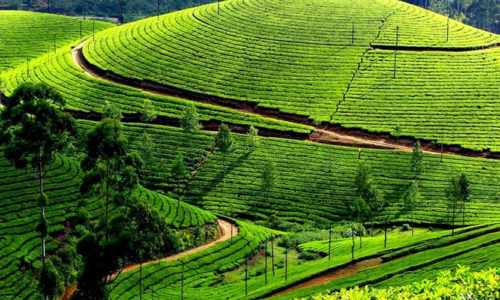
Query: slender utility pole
point(286, 264)
point(246, 277)
point(265, 268)
point(182, 282)
point(352, 34)
point(272, 256)
point(330, 242)
point(93, 30)
point(81, 30)
point(396, 51)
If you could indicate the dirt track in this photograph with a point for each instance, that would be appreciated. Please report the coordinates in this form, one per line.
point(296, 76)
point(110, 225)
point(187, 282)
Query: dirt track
point(225, 234)
point(326, 133)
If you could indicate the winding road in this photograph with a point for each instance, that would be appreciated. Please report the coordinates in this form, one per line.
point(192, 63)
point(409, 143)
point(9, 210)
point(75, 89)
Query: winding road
point(225, 234)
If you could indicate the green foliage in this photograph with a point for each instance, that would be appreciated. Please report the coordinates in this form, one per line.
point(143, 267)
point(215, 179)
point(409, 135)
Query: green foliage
point(148, 112)
point(451, 285)
point(417, 160)
point(190, 121)
point(457, 193)
point(269, 177)
point(50, 283)
point(253, 137)
point(179, 173)
point(110, 111)
point(224, 139)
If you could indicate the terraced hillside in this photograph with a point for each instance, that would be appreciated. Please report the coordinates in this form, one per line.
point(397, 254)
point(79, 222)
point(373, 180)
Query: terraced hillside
point(329, 67)
point(20, 213)
point(27, 35)
point(314, 180)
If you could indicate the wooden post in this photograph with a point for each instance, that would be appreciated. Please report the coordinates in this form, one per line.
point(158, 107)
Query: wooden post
point(286, 264)
point(265, 267)
point(272, 256)
point(396, 51)
point(352, 34)
point(182, 282)
point(246, 277)
point(352, 247)
point(330, 242)
point(385, 236)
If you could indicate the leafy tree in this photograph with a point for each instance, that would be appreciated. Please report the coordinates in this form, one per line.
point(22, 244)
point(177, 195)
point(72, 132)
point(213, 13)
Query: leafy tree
point(366, 190)
point(33, 129)
point(109, 170)
point(411, 199)
point(225, 143)
point(145, 149)
point(190, 124)
point(179, 174)
point(148, 112)
point(417, 160)
point(50, 283)
point(268, 179)
point(397, 131)
point(457, 193)
point(253, 137)
point(360, 210)
point(110, 111)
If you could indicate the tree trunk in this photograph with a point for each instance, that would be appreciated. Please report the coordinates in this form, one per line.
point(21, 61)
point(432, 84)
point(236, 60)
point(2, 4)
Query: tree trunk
point(353, 243)
point(140, 280)
point(453, 219)
point(265, 267)
point(360, 237)
point(182, 282)
point(40, 181)
point(246, 277)
point(463, 213)
point(412, 226)
point(330, 242)
point(385, 236)
point(106, 192)
point(272, 256)
point(286, 264)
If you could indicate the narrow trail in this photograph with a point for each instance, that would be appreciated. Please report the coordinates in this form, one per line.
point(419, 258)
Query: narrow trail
point(332, 275)
point(325, 133)
point(225, 234)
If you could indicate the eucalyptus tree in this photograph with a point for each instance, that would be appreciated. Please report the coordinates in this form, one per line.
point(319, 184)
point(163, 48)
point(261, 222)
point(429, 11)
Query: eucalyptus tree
point(33, 130)
point(268, 179)
point(190, 124)
point(224, 141)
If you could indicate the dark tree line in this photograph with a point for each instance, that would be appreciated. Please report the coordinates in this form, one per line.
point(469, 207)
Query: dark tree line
point(484, 14)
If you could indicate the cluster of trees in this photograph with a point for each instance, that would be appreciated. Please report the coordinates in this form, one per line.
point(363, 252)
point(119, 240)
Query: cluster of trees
point(34, 129)
point(483, 14)
point(369, 200)
point(124, 10)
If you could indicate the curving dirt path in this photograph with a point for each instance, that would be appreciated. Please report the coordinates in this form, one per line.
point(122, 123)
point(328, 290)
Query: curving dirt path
point(332, 275)
point(225, 234)
point(326, 133)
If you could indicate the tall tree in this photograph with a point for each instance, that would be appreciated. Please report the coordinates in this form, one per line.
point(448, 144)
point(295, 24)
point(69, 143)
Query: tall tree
point(457, 194)
point(411, 199)
point(179, 174)
point(268, 179)
point(253, 137)
point(417, 160)
point(225, 143)
point(190, 124)
point(366, 190)
point(33, 130)
point(109, 170)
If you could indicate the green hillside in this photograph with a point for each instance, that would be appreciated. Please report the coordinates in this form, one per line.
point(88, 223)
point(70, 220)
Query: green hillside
point(280, 56)
point(314, 180)
point(27, 35)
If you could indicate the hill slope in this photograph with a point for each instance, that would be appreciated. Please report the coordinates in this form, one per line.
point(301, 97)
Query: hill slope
point(28, 35)
point(322, 60)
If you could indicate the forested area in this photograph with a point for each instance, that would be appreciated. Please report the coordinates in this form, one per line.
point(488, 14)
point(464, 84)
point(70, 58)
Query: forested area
point(484, 14)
